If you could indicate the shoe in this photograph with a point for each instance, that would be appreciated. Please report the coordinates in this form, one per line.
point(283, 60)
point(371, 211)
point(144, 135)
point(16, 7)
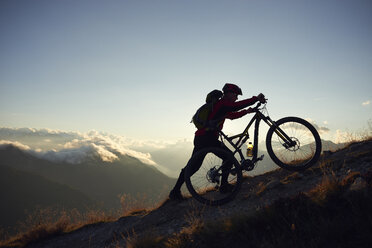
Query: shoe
point(175, 195)
point(226, 188)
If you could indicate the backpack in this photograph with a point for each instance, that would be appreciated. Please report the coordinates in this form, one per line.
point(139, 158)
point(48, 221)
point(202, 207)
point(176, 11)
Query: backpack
point(200, 118)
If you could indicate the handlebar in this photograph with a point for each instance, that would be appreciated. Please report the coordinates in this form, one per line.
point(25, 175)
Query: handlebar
point(265, 100)
point(255, 109)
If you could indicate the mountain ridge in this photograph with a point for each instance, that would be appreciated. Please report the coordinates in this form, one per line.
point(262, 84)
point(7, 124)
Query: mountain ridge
point(22, 193)
point(102, 181)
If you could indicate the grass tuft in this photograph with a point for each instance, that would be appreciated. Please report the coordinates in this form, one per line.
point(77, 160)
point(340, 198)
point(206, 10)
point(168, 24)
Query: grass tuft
point(261, 187)
point(149, 239)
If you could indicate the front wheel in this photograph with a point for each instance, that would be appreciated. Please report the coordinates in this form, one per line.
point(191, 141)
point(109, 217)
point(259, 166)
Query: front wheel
point(207, 173)
point(293, 143)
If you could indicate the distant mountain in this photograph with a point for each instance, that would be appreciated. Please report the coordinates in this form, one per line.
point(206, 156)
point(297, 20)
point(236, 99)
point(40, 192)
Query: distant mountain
point(22, 191)
point(328, 145)
point(101, 181)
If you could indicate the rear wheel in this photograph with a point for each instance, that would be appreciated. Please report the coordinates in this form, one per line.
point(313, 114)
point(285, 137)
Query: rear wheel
point(204, 183)
point(293, 144)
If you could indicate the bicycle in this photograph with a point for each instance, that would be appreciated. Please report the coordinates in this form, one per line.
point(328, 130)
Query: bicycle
point(292, 143)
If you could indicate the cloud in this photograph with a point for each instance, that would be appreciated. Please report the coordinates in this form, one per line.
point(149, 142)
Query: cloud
point(366, 103)
point(78, 155)
point(74, 155)
point(106, 145)
point(14, 143)
point(320, 129)
point(44, 139)
point(71, 147)
point(32, 132)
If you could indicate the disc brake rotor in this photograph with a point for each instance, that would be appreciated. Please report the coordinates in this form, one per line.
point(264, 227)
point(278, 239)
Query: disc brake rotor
point(296, 146)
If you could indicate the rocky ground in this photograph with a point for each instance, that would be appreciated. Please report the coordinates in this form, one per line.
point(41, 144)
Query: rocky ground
point(172, 217)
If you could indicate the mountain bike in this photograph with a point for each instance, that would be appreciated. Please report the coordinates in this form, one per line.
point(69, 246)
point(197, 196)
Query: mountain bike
point(291, 142)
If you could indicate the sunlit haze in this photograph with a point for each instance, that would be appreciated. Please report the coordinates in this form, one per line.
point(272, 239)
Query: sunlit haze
point(140, 69)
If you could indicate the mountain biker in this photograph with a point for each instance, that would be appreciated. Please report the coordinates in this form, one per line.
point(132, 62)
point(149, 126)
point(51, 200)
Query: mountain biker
point(225, 108)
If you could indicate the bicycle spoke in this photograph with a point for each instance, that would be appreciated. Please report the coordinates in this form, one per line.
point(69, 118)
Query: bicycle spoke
point(303, 147)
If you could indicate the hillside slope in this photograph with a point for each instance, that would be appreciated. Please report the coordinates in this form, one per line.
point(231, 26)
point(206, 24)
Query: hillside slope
point(172, 218)
point(22, 192)
point(101, 181)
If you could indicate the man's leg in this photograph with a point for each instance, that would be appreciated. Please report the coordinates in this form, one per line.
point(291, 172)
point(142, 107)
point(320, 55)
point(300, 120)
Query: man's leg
point(226, 169)
point(181, 178)
point(200, 142)
point(176, 191)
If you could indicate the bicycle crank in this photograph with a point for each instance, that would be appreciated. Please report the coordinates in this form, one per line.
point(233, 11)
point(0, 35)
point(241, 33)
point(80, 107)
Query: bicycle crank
point(213, 176)
point(249, 165)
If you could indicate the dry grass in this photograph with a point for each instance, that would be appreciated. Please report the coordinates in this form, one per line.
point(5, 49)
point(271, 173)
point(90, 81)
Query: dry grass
point(48, 222)
point(131, 205)
point(261, 187)
point(45, 223)
point(350, 178)
point(363, 134)
point(291, 178)
point(328, 185)
point(148, 239)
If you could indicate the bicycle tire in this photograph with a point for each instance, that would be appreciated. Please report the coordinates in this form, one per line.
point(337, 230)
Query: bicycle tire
point(200, 183)
point(308, 146)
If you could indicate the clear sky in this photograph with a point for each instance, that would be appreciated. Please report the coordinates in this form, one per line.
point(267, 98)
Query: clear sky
point(141, 68)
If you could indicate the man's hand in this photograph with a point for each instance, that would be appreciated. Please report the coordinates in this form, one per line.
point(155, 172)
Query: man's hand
point(261, 98)
point(250, 110)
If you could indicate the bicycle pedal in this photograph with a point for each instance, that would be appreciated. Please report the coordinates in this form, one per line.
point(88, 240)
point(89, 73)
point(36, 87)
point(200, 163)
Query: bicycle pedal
point(257, 159)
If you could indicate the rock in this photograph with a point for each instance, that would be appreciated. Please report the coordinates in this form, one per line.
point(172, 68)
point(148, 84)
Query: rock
point(327, 153)
point(273, 184)
point(358, 184)
point(300, 175)
point(367, 176)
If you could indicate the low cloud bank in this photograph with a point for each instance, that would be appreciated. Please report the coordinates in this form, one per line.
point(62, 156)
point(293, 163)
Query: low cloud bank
point(70, 147)
point(14, 143)
point(320, 129)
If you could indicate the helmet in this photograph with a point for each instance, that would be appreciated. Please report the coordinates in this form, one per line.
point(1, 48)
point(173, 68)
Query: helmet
point(232, 88)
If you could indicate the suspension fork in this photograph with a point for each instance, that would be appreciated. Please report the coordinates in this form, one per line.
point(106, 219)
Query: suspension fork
point(288, 142)
point(255, 141)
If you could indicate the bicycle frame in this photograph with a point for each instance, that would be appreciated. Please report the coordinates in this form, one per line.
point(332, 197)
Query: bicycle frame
point(244, 136)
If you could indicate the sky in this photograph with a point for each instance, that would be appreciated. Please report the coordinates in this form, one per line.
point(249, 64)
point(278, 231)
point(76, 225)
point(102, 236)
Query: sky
point(140, 69)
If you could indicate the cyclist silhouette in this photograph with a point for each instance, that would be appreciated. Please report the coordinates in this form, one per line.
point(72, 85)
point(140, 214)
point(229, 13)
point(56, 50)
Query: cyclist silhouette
point(226, 108)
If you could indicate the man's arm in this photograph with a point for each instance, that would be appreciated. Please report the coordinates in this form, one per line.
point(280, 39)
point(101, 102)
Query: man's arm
point(236, 115)
point(235, 106)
